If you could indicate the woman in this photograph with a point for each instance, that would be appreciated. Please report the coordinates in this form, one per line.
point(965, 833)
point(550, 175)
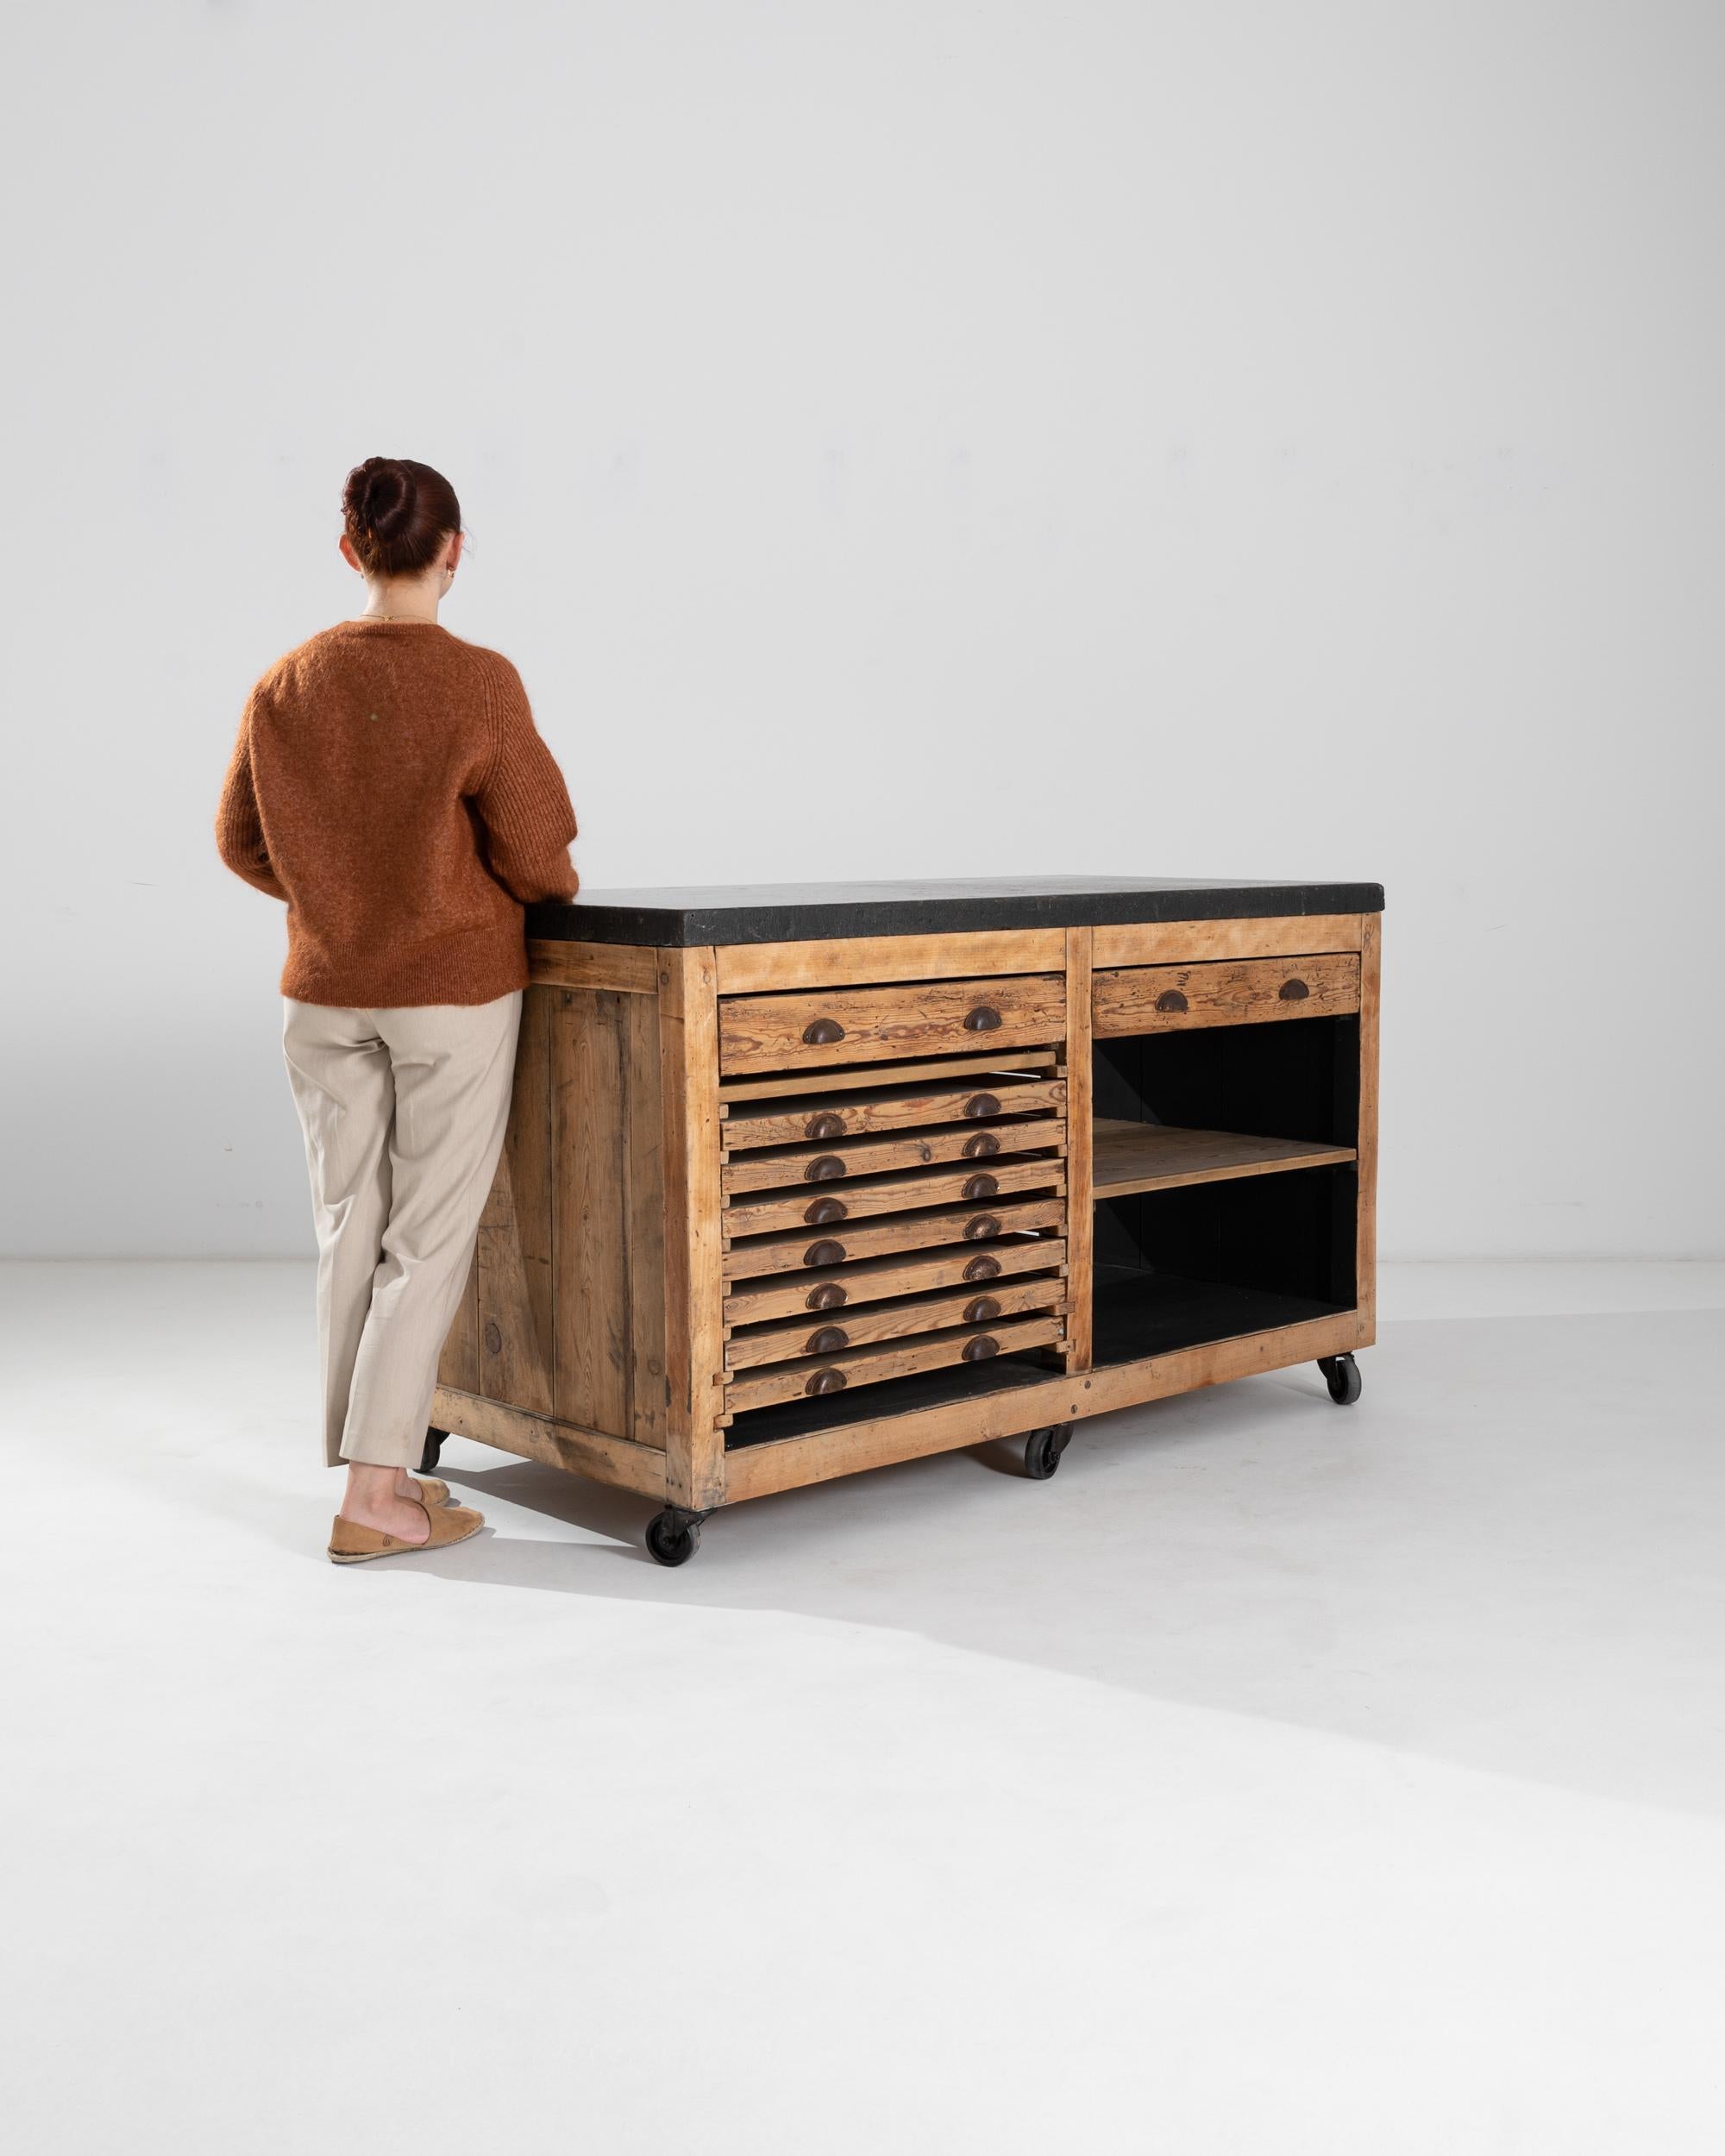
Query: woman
point(388, 782)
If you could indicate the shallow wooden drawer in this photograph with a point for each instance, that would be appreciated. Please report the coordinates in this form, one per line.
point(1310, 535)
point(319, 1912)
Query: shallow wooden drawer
point(824, 1206)
point(843, 1160)
point(818, 1247)
point(830, 1332)
point(963, 1266)
point(889, 1358)
point(812, 1026)
point(983, 1096)
point(1164, 999)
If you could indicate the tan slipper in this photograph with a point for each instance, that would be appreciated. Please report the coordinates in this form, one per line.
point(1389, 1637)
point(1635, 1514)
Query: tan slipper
point(352, 1544)
point(431, 1491)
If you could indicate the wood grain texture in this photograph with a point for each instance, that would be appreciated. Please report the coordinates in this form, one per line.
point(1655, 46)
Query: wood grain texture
point(1158, 1156)
point(838, 1162)
point(590, 1086)
point(1079, 1067)
point(978, 1069)
point(885, 1108)
point(623, 968)
point(589, 1452)
point(1366, 1246)
point(459, 1362)
point(644, 1145)
point(757, 1470)
point(1194, 943)
point(909, 1017)
point(1251, 991)
point(965, 1265)
point(862, 1323)
point(750, 968)
point(822, 1207)
point(874, 1365)
point(688, 1035)
point(516, 1345)
point(783, 1253)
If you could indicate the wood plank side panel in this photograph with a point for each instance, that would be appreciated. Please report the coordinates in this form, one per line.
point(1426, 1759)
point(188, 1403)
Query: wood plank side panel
point(1366, 1246)
point(648, 1385)
point(1080, 1158)
point(694, 1287)
point(591, 1211)
point(513, 1254)
point(1190, 942)
point(625, 968)
point(745, 968)
point(589, 1452)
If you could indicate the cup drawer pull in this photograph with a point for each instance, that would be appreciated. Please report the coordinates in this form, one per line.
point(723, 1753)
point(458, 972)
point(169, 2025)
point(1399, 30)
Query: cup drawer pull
point(980, 1145)
point(826, 1381)
point(826, 1340)
point(824, 1254)
point(822, 1032)
point(824, 1210)
point(1171, 999)
point(980, 1186)
point(824, 1169)
point(1294, 991)
point(984, 1224)
point(982, 1309)
point(828, 1296)
point(983, 1019)
point(982, 1267)
point(979, 1349)
point(825, 1124)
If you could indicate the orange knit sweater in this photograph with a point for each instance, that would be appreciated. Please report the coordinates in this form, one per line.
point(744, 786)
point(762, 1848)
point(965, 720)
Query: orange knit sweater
point(388, 782)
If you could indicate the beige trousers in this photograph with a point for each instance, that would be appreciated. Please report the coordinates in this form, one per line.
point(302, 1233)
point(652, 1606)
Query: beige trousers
point(404, 1113)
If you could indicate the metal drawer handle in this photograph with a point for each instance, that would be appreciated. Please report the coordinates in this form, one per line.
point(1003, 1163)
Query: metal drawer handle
point(980, 1186)
point(827, 1296)
point(979, 1349)
point(827, 1341)
point(984, 1224)
point(826, 1381)
point(825, 1124)
point(980, 1145)
point(981, 1104)
point(980, 1310)
point(824, 1254)
point(825, 1210)
point(820, 1032)
point(1171, 1000)
point(983, 1019)
point(982, 1267)
point(1294, 991)
point(824, 1167)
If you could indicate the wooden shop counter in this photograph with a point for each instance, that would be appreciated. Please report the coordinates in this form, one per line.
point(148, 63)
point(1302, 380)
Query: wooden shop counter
point(803, 1180)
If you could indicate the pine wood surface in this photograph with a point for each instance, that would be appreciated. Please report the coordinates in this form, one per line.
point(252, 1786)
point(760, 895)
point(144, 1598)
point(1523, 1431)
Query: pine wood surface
point(874, 1365)
point(782, 1253)
point(1197, 943)
point(976, 1182)
point(891, 1108)
point(842, 1160)
point(973, 1267)
point(750, 968)
point(1166, 999)
point(1078, 1064)
point(628, 969)
point(863, 1322)
point(908, 1018)
point(980, 1068)
point(1129, 1156)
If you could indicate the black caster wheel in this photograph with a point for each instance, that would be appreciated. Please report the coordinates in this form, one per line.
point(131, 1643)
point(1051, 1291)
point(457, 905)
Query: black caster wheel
point(1341, 1374)
point(433, 1450)
point(673, 1537)
point(1043, 1449)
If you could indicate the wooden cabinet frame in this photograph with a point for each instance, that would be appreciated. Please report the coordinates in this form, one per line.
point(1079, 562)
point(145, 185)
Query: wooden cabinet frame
point(591, 1334)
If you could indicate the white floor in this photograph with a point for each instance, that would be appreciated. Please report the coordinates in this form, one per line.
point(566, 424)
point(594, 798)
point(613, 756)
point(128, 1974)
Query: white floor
point(1276, 1778)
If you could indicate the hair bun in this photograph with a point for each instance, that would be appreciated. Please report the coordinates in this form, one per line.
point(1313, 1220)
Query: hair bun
point(398, 514)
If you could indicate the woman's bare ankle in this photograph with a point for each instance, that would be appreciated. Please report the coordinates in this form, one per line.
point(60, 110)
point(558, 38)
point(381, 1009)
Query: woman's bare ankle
point(372, 1500)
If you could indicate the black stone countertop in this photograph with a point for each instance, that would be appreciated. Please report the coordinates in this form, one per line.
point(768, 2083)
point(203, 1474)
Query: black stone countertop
point(795, 913)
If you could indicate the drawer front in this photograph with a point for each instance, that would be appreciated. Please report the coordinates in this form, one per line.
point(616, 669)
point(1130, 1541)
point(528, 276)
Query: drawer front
point(842, 1160)
point(810, 1028)
point(804, 1248)
point(1164, 999)
point(825, 1204)
point(811, 1377)
point(985, 1097)
point(829, 1332)
point(964, 1266)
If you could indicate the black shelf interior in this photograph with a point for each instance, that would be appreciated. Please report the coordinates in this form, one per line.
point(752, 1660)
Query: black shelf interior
point(892, 1397)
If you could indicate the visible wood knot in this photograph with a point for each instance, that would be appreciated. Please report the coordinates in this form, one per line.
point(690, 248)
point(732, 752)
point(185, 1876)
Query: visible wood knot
point(493, 1337)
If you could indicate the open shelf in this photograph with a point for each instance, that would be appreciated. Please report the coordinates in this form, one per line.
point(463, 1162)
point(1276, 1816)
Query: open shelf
point(1135, 1156)
point(1139, 1315)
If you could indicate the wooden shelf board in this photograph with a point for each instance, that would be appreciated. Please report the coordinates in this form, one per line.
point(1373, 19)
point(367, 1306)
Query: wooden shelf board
point(1131, 1157)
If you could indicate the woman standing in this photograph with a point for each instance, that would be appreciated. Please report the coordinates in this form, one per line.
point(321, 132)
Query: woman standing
point(388, 782)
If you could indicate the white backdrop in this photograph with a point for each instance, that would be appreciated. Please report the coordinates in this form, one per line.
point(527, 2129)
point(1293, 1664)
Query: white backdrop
point(899, 437)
